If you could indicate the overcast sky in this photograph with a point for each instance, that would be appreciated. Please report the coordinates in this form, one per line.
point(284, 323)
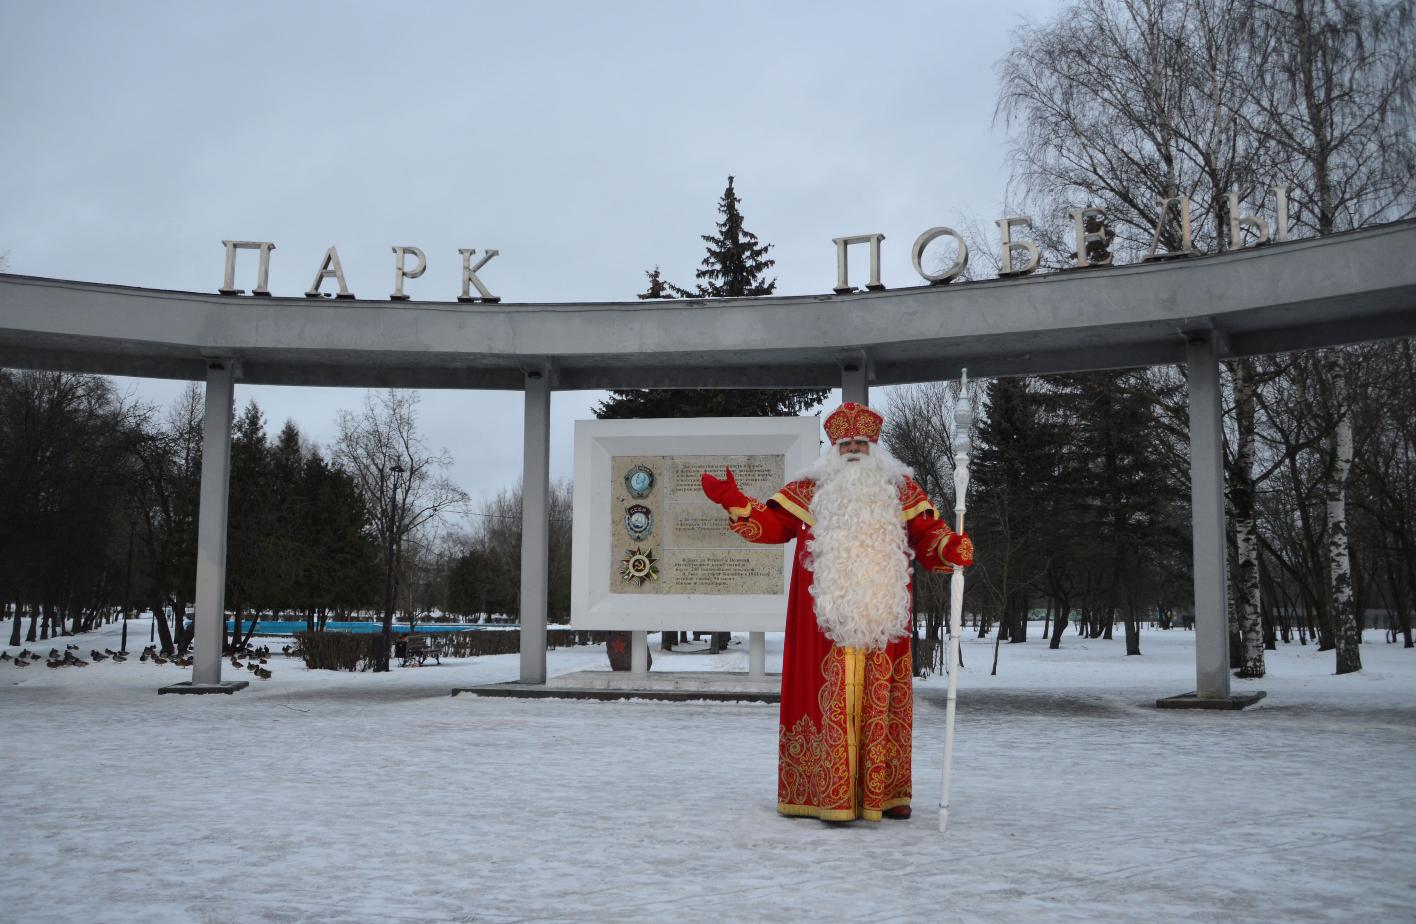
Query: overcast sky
point(587, 142)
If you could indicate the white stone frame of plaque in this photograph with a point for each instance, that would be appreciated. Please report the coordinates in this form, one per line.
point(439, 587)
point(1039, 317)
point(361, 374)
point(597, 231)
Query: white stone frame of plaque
point(597, 442)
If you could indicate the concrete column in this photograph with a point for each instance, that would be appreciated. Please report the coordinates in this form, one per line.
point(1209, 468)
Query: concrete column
point(210, 604)
point(535, 525)
point(639, 653)
point(1207, 518)
point(756, 654)
point(853, 383)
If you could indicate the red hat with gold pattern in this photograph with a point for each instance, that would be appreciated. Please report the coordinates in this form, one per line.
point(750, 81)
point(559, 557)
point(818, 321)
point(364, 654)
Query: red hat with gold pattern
point(853, 421)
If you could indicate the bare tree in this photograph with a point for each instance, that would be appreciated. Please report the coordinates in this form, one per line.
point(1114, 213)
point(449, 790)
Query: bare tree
point(1247, 602)
point(1123, 104)
point(1336, 100)
point(919, 431)
point(164, 494)
point(64, 464)
point(426, 560)
point(399, 477)
point(486, 577)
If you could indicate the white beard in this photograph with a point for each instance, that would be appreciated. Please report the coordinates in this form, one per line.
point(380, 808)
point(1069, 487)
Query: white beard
point(859, 553)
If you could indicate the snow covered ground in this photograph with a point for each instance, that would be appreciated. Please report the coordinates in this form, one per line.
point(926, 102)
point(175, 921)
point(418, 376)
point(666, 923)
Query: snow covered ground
point(325, 797)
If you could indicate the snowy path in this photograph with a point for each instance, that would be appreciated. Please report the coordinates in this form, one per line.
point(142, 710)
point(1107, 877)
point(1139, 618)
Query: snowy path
point(325, 797)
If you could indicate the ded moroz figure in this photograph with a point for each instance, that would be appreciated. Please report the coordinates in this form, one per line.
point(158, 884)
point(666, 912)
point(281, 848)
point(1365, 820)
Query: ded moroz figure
point(847, 701)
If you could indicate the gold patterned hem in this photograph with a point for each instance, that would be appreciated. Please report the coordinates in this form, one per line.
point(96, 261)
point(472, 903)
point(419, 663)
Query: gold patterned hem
point(813, 811)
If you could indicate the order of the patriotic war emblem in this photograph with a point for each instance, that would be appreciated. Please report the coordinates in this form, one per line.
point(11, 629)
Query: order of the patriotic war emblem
point(639, 480)
point(638, 521)
point(639, 565)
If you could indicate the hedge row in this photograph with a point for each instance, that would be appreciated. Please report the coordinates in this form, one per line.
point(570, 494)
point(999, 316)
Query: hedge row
point(338, 651)
point(356, 651)
point(472, 643)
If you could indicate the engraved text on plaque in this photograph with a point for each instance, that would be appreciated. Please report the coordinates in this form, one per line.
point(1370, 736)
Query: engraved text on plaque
point(683, 544)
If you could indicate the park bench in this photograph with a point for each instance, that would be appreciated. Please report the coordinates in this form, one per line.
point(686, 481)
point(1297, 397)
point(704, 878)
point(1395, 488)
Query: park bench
point(420, 648)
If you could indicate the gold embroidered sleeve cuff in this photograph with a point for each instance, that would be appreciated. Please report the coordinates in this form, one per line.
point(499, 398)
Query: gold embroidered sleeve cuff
point(758, 522)
point(792, 503)
point(924, 506)
point(939, 547)
point(748, 529)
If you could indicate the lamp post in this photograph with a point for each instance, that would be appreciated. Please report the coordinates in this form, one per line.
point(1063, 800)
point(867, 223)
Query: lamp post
point(390, 531)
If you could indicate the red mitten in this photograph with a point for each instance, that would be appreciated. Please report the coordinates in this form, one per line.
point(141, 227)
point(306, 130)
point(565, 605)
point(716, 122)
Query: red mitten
point(724, 492)
point(958, 549)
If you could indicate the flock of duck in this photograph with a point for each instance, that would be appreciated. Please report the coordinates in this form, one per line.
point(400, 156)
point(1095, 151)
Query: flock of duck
point(255, 658)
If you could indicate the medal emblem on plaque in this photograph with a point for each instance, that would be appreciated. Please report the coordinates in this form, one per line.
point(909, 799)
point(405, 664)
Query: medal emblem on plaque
point(639, 481)
point(638, 566)
point(638, 521)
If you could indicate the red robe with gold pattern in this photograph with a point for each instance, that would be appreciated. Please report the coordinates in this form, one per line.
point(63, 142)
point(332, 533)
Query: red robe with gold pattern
point(847, 713)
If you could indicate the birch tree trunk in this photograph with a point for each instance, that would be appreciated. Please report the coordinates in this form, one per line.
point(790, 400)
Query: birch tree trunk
point(1247, 606)
point(1231, 621)
point(1346, 634)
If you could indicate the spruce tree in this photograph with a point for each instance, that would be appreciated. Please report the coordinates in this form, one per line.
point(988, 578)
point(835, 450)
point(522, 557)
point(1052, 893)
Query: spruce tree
point(289, 559)
point(1013, 467)
point(736, 262)
point(346, 568)
point(1122, 496)
point(735, 266)
point(251, 523)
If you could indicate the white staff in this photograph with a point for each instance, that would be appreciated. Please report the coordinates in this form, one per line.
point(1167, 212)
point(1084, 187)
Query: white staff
point(963, 421)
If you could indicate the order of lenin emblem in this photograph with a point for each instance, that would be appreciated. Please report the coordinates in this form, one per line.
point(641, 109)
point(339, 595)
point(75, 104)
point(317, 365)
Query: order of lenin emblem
point(639, 480)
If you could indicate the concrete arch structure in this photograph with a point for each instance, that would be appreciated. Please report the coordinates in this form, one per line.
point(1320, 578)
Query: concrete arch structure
point(1316, 292)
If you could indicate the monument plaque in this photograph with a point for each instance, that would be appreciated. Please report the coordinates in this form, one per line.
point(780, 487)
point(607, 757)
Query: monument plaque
point(673, 540)
point(650, 551)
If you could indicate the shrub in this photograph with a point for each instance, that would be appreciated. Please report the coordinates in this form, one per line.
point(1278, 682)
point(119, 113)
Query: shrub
point(357, 651)
point(339, 651)
point(471, 643)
